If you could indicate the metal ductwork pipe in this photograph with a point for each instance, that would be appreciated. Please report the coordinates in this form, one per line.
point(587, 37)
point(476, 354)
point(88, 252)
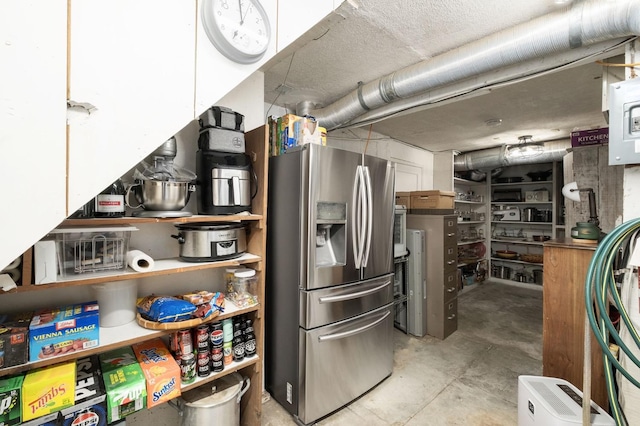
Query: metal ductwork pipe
point(492, 158)
point(583, 24)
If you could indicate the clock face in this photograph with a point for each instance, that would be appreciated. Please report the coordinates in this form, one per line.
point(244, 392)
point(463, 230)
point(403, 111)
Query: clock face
point(239, 29)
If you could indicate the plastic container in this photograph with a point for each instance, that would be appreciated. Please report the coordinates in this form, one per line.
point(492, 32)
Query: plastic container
point(92, 249)
point(117, 302)
point(243, 288)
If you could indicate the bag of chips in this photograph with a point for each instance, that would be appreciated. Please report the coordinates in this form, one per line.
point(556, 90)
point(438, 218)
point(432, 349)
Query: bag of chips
point(165, 308)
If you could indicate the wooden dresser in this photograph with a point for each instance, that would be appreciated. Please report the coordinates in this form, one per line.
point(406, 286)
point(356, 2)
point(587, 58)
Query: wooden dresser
point(565, 269)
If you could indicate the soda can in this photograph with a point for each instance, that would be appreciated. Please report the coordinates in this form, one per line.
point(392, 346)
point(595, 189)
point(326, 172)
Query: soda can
point(216, 335)
point(201, 338)
point(227, 353)
point(227, 330)
point(188, 368)
point(184, 344)
point(217, 363)
point(203, 364)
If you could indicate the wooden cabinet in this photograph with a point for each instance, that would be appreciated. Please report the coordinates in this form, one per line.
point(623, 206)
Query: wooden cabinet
point(565, 267)
point(32, 113)
point(441, 259)
point(128, 334)
point(135, 63)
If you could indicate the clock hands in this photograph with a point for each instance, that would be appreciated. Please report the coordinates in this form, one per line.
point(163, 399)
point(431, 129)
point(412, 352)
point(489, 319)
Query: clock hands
point(240, 9)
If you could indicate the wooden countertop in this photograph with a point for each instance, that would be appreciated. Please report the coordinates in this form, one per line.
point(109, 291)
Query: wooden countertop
point(569, 242)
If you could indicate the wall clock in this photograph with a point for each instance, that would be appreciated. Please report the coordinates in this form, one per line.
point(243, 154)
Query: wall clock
point(239, 29)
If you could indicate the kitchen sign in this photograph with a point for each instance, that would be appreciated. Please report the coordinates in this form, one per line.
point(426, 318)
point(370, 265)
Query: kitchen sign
point(590, 137)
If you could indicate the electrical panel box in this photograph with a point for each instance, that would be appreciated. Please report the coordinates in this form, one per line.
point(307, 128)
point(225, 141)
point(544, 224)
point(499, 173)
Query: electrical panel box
point(624, 122)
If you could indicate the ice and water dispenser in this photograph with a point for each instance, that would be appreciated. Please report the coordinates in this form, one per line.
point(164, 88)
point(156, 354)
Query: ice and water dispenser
point(331, 224)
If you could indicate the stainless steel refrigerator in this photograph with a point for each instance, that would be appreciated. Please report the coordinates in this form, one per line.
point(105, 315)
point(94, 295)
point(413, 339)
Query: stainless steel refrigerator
point(329, 278)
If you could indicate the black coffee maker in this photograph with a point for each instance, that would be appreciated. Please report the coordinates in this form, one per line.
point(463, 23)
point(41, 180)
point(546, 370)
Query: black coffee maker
point(224, 171)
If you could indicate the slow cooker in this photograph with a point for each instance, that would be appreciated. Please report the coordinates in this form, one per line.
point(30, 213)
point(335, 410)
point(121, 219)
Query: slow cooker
point(211, 241)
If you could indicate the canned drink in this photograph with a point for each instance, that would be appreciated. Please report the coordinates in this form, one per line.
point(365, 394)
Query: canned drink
point(202, 338)
point(227, 330)
point(203, 364)
point(216, 335)
point(227, 353)
point(188, 368)
point(185, 345)
point(217, 363)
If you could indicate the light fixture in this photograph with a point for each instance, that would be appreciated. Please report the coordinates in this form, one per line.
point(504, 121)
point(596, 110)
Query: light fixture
point(590, 230)
point(525, 148)
point(493, 122)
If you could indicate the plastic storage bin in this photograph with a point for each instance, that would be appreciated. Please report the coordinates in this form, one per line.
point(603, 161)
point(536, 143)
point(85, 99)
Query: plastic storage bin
point(91, 249)
point(117, 301)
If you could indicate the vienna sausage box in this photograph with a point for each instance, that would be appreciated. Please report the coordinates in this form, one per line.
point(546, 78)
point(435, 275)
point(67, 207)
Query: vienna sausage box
point(91, 403)
point(124, 383)
point(160, 369)
point(14, 339)
point(63, 330)
point(48, 390)
point(10, 389)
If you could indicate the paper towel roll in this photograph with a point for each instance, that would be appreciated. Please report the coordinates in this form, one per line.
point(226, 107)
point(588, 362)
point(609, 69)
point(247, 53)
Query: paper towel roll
point(139, 261)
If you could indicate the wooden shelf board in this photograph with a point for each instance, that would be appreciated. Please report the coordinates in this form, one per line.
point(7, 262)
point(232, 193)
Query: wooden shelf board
point(117, 337)
point(134, 220)
point(524, 242)
point(499, 259)
point(471, 222)
point(466, 243)
point(161, 267)
point(520, 222)
point(479, 203)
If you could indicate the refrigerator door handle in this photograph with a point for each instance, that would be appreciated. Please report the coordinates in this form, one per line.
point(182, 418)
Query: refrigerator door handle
point(345, 334)
point(350, 296)
point(357, 228)
point(369, 215)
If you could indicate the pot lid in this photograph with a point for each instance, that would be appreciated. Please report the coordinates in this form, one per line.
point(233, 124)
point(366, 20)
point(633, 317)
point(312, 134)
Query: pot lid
point(221, 391)
point(210, 226)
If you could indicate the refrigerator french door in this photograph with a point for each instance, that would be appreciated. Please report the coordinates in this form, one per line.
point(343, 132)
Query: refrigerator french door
point(329, 278)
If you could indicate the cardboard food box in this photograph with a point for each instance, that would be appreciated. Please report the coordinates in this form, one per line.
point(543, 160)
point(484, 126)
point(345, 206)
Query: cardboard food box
point(432, 199)
point(124, 383)
point(160, 369)
point(91, 404)
point(48, 390)
point(14, 339)
point(10, 400)
point(63, 330)
point(403, 199)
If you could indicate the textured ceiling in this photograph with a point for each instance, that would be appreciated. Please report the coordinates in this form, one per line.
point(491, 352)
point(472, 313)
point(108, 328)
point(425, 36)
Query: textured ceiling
point(368, 39)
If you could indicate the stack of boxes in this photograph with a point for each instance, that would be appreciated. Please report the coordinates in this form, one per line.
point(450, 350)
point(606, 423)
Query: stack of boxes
point(290, 130)
point(424, 202)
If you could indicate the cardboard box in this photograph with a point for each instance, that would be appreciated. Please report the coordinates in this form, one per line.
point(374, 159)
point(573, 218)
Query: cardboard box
point(124, 383)
point(536, 196)
point(403, 199)
point(160, 369)
point(14, 339)
point(91, 404)
point(46, 420)
point(10, 400)
point(432, 199)
point(48, 390)
point(63, 330)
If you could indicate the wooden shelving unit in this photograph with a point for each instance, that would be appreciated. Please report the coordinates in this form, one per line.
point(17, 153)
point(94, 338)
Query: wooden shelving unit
point(256, 142)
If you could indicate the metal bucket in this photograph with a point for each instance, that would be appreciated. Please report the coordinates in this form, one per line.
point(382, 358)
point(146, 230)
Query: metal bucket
point(215, 405)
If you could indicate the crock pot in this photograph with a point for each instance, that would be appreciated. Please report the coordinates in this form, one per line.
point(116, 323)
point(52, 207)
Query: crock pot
point(211, 241)
point(215, 405)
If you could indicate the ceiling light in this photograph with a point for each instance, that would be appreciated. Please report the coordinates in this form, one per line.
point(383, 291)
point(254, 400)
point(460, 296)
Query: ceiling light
point(525, 148)
point(493, 122)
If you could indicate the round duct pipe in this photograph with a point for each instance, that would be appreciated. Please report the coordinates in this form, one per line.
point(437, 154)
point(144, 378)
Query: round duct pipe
point(502, 156)
point(585, 23)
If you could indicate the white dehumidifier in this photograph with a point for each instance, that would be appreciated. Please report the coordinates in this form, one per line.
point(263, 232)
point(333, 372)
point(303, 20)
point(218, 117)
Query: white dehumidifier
point(548, 401)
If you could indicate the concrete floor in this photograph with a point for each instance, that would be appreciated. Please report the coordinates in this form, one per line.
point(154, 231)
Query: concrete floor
point(470, 378)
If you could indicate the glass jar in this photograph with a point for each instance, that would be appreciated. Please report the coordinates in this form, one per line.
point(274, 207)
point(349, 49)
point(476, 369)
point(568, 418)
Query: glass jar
point(243, 288)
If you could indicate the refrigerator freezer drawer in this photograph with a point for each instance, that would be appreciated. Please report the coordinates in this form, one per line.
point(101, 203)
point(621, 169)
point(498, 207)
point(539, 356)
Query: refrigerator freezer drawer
point(344, 360)
point(324, 306)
